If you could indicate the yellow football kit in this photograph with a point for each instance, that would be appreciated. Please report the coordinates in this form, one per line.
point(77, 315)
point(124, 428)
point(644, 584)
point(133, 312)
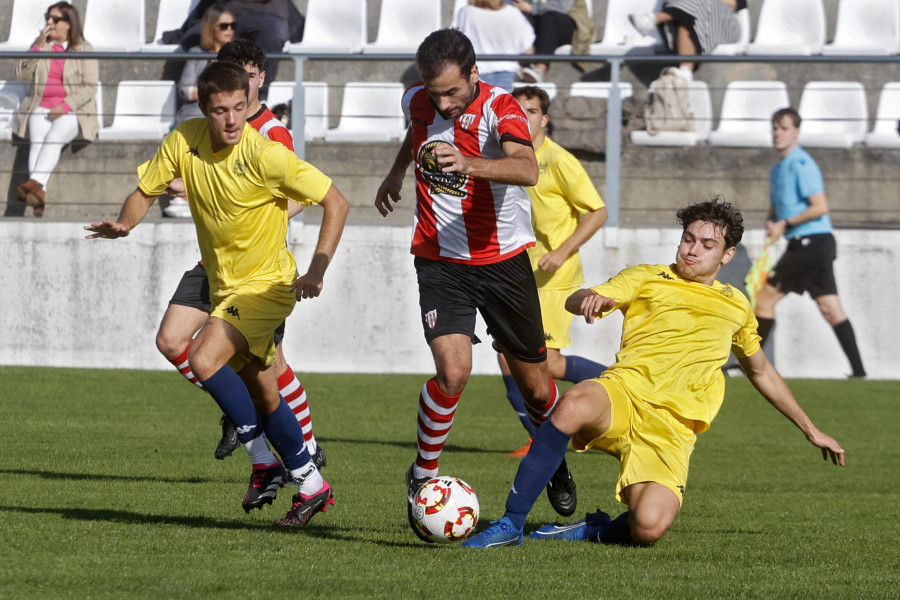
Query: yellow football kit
point(667, 383)
point(238, 198)
point(563, 193)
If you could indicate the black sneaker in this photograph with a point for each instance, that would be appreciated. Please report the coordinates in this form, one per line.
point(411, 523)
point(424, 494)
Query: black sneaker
point(264, 484)
point(305, 507)
point(318, 457)
point(561, 491)
point(412, 488)
point(229, 442)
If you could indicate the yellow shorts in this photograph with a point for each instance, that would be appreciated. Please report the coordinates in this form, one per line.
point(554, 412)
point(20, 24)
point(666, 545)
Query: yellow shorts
point(557, 320)
point(651, 442)
point(255, 310)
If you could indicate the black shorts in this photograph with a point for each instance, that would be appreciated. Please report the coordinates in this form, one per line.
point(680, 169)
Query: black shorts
point(807, 266)
point(193, 292)
point(505, 293)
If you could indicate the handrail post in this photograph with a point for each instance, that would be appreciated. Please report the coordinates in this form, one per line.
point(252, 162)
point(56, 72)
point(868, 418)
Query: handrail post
point(298, 108)
point(613, 154)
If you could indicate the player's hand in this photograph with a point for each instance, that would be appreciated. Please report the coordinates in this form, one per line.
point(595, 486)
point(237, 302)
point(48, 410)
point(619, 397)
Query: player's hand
point(829, 446)
point(552, 261)
point(451, 160)
point(107, 229)
point(775, 229)
point(307, 286)
point(388, 191)
point(595, 305)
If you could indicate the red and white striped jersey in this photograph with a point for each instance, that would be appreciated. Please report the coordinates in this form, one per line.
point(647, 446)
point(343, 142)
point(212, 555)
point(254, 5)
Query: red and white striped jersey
point(459, 218)
point(268, 124)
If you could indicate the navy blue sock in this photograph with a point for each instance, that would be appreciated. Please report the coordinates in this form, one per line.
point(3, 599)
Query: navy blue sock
point(579, 368)
point(615, 531)
point(537, 467)
point(230, 393)
point(518, 403)
point(283, 431)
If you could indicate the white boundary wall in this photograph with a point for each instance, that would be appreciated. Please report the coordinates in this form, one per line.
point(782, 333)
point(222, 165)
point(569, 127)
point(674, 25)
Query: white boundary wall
point(70, 302)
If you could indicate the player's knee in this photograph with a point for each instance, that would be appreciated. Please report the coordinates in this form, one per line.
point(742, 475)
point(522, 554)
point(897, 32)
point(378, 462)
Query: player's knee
point(169, 345)
point(452, 379)
point(573, 410)
point(647, 535)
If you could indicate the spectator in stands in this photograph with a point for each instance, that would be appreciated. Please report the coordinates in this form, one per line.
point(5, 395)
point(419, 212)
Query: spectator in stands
point(699, 26)
point(59, 101)
point(269, 23)
point(496, 28)
point(553, 27)
point(218, 29)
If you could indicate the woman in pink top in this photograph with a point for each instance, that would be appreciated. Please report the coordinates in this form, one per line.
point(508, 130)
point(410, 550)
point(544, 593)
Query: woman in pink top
point(60, 99)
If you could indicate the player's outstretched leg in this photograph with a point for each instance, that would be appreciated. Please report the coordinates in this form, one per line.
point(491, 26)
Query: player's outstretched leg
point(294, 394)
point(596, 527)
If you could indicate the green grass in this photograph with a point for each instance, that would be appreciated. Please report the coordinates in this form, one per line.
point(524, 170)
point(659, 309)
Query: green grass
point(108, 488)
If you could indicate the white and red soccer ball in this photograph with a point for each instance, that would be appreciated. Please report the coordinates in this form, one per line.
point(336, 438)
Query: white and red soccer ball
point(445, 509)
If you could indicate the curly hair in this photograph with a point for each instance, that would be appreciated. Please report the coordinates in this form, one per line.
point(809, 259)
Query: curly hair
point(242, 53)
point(720, 214)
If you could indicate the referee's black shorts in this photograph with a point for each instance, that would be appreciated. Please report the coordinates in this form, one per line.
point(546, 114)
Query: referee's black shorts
point(504, 292)
point(807, 266)
point(193, 292)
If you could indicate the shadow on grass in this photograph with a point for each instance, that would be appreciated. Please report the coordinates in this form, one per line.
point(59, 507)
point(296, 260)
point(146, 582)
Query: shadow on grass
point(99, 477)
point(408, 445)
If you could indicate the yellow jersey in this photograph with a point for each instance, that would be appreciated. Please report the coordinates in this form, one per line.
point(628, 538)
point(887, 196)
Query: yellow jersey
point(238, 198)
point(563, 193)
point(676, 337)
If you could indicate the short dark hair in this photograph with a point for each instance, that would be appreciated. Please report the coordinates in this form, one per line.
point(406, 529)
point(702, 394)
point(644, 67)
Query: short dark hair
point(221, 77)
point(243, 52)
point(443, 48)
point(720, 214)
point(530, 92)
point(787, 112)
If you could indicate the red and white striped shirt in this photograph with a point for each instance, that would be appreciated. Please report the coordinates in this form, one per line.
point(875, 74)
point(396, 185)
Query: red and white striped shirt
point(268, 125)
point(460, 218)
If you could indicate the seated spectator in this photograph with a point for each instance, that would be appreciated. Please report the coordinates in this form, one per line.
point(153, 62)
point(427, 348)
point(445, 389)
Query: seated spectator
point(553, 27)
point(269, 23)
point(59, 101)
point(699, 26)
point(218, 27)
point(496, 28)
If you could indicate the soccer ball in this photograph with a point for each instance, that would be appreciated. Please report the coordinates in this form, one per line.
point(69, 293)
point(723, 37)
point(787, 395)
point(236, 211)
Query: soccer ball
point(445, 509)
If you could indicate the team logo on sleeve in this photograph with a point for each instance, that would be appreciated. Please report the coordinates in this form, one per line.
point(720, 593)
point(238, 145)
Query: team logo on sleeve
point(431, 318)
point(441, 183)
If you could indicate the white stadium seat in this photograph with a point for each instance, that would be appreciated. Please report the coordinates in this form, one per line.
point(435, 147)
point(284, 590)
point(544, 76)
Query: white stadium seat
point(887, 119)
point(26, 22)
point(315, 100)
point(870, 27)
point(835, 114)
point(11, 95)
point(145, 110)
point(114, 25)
point(170, 15)
point(620, 36)
point(789, 27)
point(745, 120)
point(403, 24)
point(740, 46)
point(370, 112)
point(701, 107)
point(334, 26)
point(599, 89)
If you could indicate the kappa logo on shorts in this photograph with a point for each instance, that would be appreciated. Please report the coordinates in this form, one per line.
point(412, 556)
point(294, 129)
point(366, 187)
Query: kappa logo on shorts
point(548, 337)
point(439, 182)
point(681, 489)
point(233, 311)
point(431, 318)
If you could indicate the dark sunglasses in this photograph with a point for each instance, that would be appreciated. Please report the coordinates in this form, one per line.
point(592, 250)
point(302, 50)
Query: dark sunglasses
point(227, 26)
point(54, 18)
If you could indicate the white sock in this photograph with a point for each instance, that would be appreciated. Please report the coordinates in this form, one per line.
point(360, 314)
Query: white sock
point(259, 451)
point(309, 477)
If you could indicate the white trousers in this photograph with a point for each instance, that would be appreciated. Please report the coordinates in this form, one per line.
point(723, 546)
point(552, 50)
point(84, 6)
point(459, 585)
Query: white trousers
point(48, 137)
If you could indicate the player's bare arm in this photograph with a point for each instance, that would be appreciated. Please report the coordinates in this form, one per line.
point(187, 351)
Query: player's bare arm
point(133, 212)
point(588, 225)
point(589, 304)
point(518, 166)
point(389, 190)
point(771, 385)
point(336, 208)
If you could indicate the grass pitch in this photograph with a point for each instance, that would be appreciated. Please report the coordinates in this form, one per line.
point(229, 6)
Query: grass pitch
point(108, 488)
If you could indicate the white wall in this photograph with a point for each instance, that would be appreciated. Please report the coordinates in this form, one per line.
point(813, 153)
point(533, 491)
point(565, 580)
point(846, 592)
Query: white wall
point(67, 301)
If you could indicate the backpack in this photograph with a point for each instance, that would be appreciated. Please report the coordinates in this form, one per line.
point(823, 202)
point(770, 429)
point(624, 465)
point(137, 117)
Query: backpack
point(670, 107)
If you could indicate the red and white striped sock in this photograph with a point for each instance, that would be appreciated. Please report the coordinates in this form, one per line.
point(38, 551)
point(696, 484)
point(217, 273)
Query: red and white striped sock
point(539, 414)
point(436, 412)
point(294, 394)
point(181, 363)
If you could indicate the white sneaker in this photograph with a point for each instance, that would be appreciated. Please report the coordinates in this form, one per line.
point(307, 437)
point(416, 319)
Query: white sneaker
point(530, 74)
point(178, 208)
point(643, 22)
